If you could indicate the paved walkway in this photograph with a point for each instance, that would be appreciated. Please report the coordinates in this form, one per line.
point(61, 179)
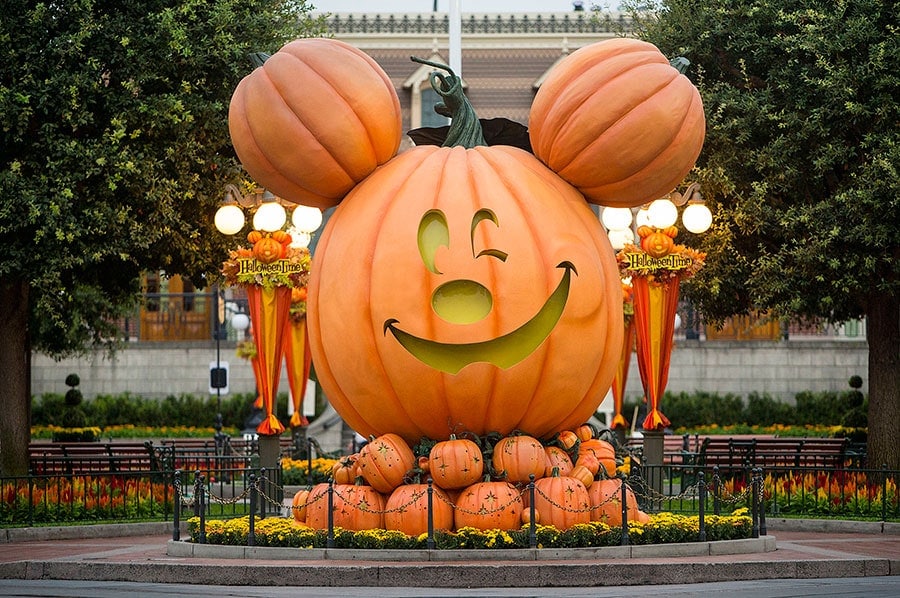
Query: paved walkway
point(806, 549)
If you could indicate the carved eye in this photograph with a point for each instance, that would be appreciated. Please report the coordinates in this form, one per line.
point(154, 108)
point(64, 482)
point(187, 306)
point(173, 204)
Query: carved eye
point(433, 233)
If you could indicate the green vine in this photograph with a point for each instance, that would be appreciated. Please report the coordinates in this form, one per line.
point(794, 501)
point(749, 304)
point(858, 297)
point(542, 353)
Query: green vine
point(465, 130)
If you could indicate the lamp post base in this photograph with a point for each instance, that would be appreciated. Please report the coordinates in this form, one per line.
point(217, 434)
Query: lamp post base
point(269, 453)
point(653, 463)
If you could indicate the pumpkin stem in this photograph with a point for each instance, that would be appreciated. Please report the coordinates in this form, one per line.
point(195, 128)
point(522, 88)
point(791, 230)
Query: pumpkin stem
point(258, 58)
point(680, 64)
point(465, 130)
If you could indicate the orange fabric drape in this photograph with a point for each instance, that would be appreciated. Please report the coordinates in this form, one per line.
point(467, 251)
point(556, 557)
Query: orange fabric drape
point(655, 304)
point(258, 403)
point(269, 310)
point(297, 359)
point(618, 385)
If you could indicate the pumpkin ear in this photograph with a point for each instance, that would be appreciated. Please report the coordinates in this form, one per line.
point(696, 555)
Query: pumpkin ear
point(313, 120)
point(593, 105)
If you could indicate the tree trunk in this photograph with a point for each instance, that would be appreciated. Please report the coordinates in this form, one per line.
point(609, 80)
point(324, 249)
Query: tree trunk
point(15, 374)
point(883, 333)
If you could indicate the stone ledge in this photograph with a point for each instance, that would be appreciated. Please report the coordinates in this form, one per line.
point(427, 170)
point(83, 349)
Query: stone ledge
point(212, 551)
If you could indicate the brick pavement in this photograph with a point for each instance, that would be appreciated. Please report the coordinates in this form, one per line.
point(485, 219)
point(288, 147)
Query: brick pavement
point(802, 551)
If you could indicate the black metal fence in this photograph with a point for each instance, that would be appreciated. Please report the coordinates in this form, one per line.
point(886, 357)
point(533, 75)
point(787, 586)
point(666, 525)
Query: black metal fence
point(796, 491)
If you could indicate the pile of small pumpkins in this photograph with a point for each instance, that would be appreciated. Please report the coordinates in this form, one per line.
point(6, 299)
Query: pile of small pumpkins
point(384, 485)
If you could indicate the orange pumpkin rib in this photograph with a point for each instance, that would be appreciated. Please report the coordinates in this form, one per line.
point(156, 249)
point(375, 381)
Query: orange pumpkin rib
point(615, 105)
point(347, 287)
point(611, 347)
point(598, 99)
point(662, 118)
point(318, 106)
point(664, 173)
point(546, 113)
point(305, 158)
point(382, 122)
point(254, 160)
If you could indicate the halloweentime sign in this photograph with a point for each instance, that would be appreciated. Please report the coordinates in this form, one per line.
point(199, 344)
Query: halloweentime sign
point(643, 262)
point(254, 266)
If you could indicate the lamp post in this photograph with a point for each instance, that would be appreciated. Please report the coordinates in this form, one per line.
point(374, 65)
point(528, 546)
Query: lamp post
point(656, 266)
point(274, 273)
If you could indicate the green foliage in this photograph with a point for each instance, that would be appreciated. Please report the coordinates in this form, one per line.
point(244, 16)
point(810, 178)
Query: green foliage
point(801, 153)
point(114, 147)
point(703, 409)
point(128, 409)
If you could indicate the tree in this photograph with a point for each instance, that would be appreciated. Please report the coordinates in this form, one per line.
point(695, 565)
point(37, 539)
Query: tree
point(801, 167)
point(114, 150)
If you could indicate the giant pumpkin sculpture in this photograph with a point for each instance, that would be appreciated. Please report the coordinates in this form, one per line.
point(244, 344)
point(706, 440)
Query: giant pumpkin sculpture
point(619, 121)
point(293, 118)
point(464, 288)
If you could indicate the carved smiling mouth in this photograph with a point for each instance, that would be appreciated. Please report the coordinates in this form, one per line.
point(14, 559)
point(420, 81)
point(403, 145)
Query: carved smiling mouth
point(504, 351)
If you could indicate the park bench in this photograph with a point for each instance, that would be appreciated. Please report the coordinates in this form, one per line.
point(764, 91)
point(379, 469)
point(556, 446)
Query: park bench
point(49, 458)
point(731, 454)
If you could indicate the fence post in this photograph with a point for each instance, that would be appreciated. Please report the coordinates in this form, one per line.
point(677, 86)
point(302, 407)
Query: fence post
point(329, 541)
point(717, 487)
point(754, 504)
point(251, 533)
point(263, 495)
point(176, 501)
point(429, 543)
point(884, 477)
point(701, 515)
point(625, 539)
point(30, 500)
point(762, 504)
point(200, 505)
point(532, 525)
point(309, 460)
point(196, 493)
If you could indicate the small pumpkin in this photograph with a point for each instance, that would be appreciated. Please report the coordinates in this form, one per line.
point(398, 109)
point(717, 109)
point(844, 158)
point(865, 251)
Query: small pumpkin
point(603, 451)
point(385, 461)
point(605, 497)
point(589, 461)
point(567, 439)
point(268, 250)
point(313, 120)
point(519, 457)
point(558, 458)
point(406, 509)
point(254, 236)
point(355, 506)
point(345, 470)
point(489, 505)
point(562, 501)
point(586, 431)
point(583, 475)
point(298, 505)
point(657, 244)
point(618, 121)
point(455, 463)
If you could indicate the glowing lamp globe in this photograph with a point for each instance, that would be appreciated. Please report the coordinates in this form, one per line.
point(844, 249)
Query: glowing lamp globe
point(618, 238)
point(663, 213)
point(696, 218)
point(229, 219)
point(306, 219)
point(616, 218)
point(269, 217)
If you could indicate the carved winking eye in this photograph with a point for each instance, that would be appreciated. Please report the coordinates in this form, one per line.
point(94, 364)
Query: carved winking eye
point(459, 301)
